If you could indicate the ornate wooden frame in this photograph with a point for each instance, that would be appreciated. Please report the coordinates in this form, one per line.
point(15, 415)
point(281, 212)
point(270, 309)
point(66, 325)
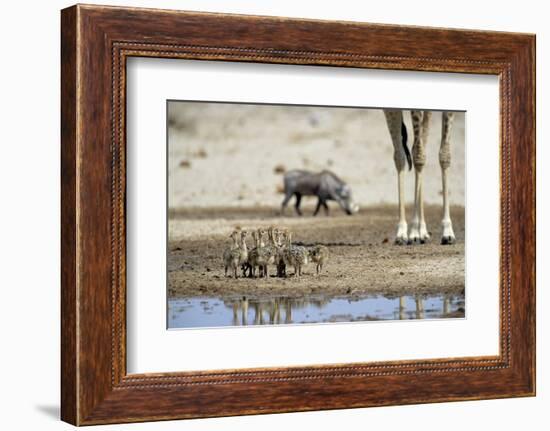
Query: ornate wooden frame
point(95, 43)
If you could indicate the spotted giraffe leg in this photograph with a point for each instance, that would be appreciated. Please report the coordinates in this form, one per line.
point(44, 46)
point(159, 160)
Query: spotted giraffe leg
point(447, 235)
point(418, 233)
point(394, 120)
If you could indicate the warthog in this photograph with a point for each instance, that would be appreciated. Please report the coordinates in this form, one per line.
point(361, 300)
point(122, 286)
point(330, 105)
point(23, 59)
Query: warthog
point(325, 185)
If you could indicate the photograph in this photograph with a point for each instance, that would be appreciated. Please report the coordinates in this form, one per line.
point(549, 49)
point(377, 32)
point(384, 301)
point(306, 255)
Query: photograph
point(295, 214)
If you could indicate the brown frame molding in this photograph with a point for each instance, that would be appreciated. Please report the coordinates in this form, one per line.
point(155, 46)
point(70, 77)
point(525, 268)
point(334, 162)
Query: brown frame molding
point(95, 43)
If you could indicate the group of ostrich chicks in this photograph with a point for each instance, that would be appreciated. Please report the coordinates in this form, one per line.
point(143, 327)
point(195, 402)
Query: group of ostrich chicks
point(278, 251)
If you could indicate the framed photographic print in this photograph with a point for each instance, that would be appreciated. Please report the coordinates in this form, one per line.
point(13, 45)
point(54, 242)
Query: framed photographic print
point(322, 214)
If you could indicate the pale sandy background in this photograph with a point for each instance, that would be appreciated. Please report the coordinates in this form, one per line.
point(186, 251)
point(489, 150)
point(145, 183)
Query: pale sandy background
point(226, 154)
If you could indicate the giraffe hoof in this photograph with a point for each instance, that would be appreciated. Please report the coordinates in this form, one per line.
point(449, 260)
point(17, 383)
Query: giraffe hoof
point(401, 241)
point(448, 240)
point(418, 240)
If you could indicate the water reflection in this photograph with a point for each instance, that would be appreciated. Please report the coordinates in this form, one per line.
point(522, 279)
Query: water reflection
point(273, 311)
point(245, 311)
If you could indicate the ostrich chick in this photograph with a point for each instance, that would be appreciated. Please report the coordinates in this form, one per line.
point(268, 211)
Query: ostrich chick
point(295, 255)
point(319, 254)
point(232, 254)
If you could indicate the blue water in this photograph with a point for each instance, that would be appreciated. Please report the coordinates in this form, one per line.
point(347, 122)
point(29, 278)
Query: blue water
point(204, 312)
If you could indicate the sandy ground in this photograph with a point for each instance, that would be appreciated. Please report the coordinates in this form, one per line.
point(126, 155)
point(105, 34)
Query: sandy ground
point(226, 154)
point(363, 256)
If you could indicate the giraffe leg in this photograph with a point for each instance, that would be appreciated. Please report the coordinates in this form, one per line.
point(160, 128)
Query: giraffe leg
point(418, 233)
point(394, 119)
point(447, 235)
